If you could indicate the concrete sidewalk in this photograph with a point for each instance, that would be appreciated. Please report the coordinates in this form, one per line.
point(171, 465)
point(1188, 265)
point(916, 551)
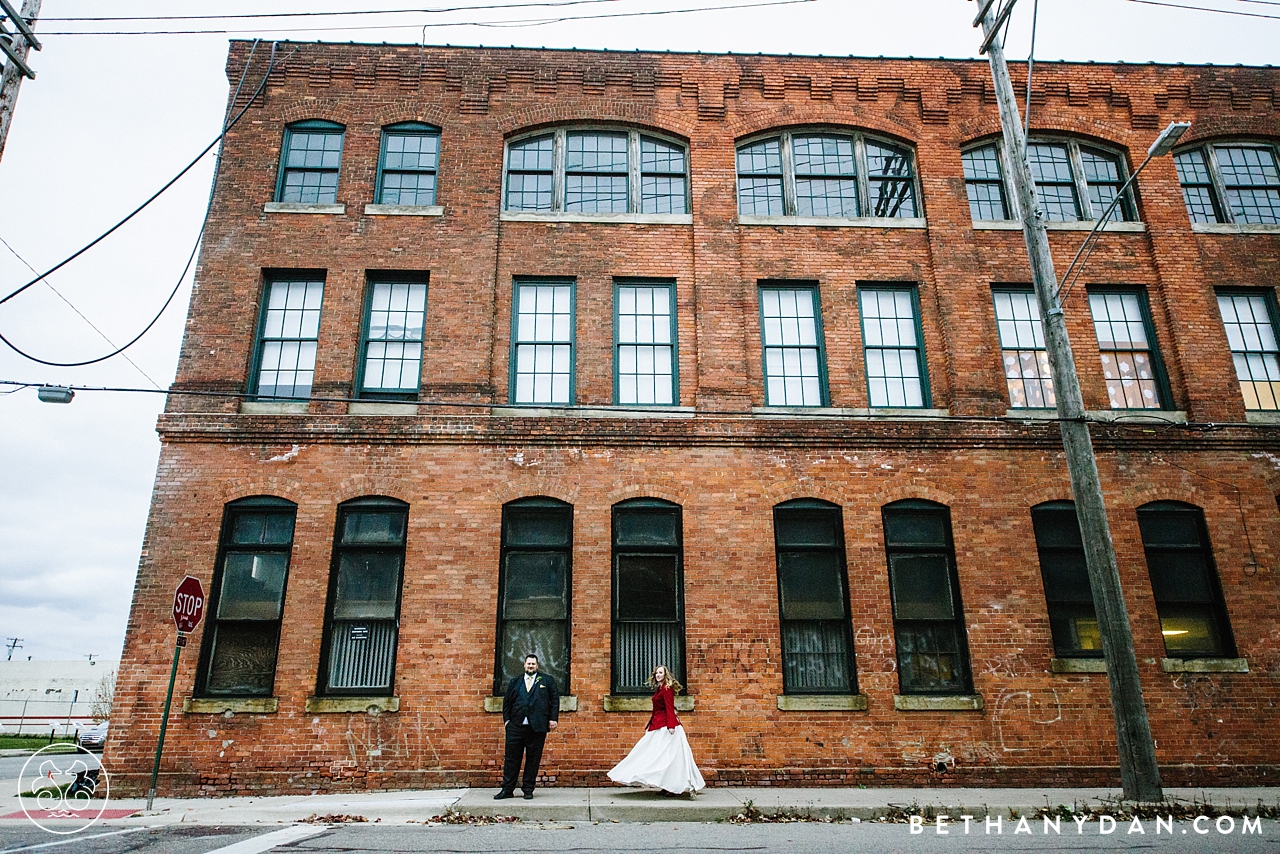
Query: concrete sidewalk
point(631, 805)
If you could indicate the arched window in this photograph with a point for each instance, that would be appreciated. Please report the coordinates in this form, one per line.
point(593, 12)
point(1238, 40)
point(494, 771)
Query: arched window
point(533, 589)
point(363, 615)
point(312, 155)
point(1193, 615)
point(246, 599)
point(407, 165)
point(1074, 181)
point(1237, 182)
point(928, 618)
point(813, 599)
point(825, 173)
point(1067, 591)
point(596, 171)
point(648, 592)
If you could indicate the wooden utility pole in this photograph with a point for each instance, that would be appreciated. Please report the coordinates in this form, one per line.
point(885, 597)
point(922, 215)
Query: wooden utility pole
point(1139, 773)
point(15, 45)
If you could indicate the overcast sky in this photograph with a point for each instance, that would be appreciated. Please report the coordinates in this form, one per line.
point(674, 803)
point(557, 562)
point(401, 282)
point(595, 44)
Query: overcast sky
point(111, 118)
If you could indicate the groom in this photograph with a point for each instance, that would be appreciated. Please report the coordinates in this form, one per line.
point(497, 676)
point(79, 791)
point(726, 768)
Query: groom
point(530, 710)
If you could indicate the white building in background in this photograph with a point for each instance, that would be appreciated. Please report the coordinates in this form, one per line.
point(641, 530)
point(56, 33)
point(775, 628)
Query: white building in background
point(39, 696)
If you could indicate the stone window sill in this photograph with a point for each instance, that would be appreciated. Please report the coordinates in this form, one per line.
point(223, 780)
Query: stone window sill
point(568, 411)
point(230, 705)
point(295, 207)
point(1256, 416)
point(1078, 225)
point(934, 703)
point(404, 210)
point(1235, 228)
point(835, 221)
point(382, 407)
point(568, 703)
point(274, 407)
point(1204, 665)
point(642, 703)
point(822, 702)
point(335, 705)
point(1077, 665)
point(605, 218)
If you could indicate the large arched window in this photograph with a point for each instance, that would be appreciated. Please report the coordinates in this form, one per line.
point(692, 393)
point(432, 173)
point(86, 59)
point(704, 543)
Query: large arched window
point(596, 171)
point(312, 156)
point(648, 592)
point(1074, 181)
point(1236, 182)
point(1067, 591)
point(825, 173)
point(246, 599)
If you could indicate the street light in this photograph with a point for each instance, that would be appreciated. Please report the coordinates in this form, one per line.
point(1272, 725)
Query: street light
point(1163, 144)
point(55, 394)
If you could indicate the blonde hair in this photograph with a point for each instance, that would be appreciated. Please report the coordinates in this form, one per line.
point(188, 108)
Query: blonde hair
point(670, 682)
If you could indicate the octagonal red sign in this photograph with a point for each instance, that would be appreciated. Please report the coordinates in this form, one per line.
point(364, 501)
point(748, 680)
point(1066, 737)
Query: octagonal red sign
point(188, 604)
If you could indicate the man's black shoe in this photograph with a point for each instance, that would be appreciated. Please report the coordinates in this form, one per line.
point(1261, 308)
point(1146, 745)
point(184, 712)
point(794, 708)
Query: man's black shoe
point(504, 795)
point(528, 796)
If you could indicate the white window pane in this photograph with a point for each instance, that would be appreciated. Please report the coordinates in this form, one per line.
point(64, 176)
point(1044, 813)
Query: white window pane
point(560, 389)
point(871, 329)
point(896, 395)
point(772, 331)
point(560, 328)
point(812, 392)
point(808, 332)
point(310, 324)
point(644, 391)
point(662, 360)
point(777, 393)
point(626, 300)
point(809, 363)
point(644, 300)
point(626, 360)
point(524, 388)
point(773, 362)
point(528, 299)
point(561, 300)
point(560, 359)
point(307, 355)
point(662, 392)
point(292, 326)
point(791, 362)
point(769, 297)
point(907, 332)
point(542, 388)
point(626, 388)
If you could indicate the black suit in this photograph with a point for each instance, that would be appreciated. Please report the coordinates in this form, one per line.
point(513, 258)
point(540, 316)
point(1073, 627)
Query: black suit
point(539, 706)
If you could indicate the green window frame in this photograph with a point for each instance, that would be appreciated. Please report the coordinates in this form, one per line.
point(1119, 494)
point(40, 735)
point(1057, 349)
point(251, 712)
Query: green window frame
point(362, 615)
point(1184, 581)
point(793, 356)
point(246, 599)
point(648, 592)
point(1231, 182)
point(1250, 320)
point(646, 368)
point(928, 615)
point(408, 165)
point(1023, 354)
point(391, 337)
point(535, 584)
point(1074, 181)
point(1068, 594)
point(893, 346)
point(284, 353)
point(813, 599)
point(310, 163)
point(543, 342)
point(1131, 364)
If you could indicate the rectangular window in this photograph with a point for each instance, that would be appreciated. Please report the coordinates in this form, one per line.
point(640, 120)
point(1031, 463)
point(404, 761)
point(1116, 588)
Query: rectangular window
point(1193, 615)
point(1197, 186)
point(792, 335)
point(760, 178)
point(826, 176)
point(813, 599)
point(530, 170)
point(1022, 350)
point(1126, 343)
point(648, 601)
point(542, 345)
point(312, 157)
point(1067, 590)
point(407, 170)
point(242, 636)
point(533, 590)
point(893, 350)
point(928, 620)
point(663, 177)
point(984, 183)
point(1103, 179)
point(290, 325)
point(1051, 170)
point(645, 341)
point(392, 351)
point(1250, 321)
point(595, 172)
point(890, 186)
point(1252, 180)
point(364, 598)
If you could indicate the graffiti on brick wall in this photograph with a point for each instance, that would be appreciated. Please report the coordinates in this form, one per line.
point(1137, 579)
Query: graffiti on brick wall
point(1015, 709)
point(379, 742)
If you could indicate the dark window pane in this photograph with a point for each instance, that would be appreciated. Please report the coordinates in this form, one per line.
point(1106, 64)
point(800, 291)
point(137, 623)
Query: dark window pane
point(647, 588)
point(537, 527)
point(262, 529)
point(816, 658)
point(1066, 576)
point(1190, 631)
point(810, 585)
point(1057, 528)
point(929, 658)
point(243, 659)
point(536, 586)
point(1169, 528)
point(252, 586)
point(1075, 631)
point(368, 586)
point(808, 528)
point(373, 528)
point(921, 587)
point(645, 528)
point(907, 528)
point(547, 639)
point(1180, 577)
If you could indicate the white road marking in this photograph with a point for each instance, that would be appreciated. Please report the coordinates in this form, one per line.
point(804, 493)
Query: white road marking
point(76, 839)
point(270, 840)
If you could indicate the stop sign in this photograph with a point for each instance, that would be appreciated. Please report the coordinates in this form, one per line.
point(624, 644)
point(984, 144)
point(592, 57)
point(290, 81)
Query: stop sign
point(188, 604)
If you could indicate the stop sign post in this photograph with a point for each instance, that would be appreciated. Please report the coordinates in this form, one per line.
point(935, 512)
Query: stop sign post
point(188, 609)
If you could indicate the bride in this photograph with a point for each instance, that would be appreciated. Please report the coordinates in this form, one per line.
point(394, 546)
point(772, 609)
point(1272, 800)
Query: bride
point(662, 758)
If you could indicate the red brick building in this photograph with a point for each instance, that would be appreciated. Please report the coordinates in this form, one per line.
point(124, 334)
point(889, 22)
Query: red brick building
point(723, 362)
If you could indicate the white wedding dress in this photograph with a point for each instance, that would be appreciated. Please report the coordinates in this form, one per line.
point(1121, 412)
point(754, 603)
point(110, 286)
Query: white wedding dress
point(662, 759)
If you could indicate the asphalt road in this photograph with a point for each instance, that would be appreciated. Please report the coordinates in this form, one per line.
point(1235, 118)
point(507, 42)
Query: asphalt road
point(608, 838)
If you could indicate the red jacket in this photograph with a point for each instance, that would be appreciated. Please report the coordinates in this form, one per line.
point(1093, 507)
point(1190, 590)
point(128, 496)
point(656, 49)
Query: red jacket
point(664, 710)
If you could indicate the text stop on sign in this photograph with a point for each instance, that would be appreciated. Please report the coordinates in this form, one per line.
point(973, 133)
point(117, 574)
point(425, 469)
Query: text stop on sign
point(188, 604)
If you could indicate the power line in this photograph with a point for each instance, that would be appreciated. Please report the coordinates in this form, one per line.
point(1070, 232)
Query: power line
point(1207, 9)
point(260, 15)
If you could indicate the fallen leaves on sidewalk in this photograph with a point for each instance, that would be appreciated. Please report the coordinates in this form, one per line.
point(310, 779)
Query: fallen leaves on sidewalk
point(334, 818)
point(751, 814)
point(452, 816)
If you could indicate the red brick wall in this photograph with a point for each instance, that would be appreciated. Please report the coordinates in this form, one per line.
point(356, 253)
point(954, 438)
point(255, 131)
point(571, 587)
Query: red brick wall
point(456, 467)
